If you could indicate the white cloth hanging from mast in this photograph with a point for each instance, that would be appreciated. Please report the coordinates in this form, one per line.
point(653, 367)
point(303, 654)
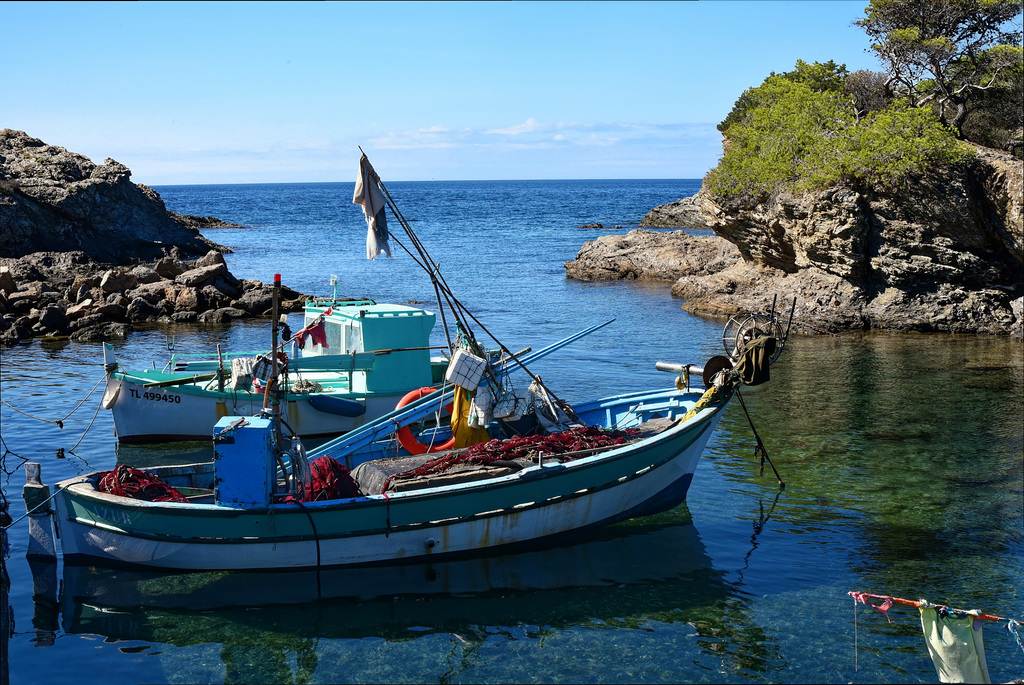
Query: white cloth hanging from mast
point(369, 196)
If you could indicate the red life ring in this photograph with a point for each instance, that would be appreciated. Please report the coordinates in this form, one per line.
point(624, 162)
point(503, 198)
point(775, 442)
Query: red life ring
point(405, 436)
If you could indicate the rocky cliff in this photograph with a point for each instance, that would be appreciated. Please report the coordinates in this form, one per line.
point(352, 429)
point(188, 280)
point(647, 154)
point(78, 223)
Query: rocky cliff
point(86, 254)
point(944, 253)
point(59, 201)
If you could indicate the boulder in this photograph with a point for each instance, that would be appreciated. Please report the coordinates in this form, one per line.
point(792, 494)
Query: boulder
point(112, 311)
point(168, 267)
point(79, 310)
point(214, 298)
point(145, 274)
point(256, 301)
point(687, 212)
point(650, 256)
point(204, 275)
point(117, 281)
point(53, 319)
point(152, 292)
point(102, 332)
point(141, 310)
point(186, 299)
point(14, 334)
point(7, 284)
point(211, 258)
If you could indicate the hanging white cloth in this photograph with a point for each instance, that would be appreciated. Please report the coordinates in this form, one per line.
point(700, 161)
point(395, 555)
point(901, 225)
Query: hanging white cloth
point(369, 196)
point(955, 645)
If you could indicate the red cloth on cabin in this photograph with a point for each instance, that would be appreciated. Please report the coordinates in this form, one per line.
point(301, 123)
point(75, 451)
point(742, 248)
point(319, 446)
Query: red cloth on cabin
point(315, 331)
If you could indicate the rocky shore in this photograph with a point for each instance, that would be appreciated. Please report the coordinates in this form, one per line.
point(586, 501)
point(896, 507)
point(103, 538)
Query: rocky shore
point(61, 295)
point(87, 254)
point(944, 254)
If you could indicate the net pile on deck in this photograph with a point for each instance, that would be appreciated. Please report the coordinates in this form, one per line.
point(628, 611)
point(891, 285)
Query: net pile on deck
point(564, 446)
point(328, 480)
point(128, 482)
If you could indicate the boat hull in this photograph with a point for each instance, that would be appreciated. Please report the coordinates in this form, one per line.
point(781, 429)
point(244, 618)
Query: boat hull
point(533, 504)
point(145, 415)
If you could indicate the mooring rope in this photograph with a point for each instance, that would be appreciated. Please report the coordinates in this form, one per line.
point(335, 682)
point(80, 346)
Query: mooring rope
point(59, 422)
point(91, 422)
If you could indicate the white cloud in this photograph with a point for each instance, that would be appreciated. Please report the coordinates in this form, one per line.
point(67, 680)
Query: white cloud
point(528, 126)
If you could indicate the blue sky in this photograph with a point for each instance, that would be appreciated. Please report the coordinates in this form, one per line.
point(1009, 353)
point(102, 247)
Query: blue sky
point(285, 92)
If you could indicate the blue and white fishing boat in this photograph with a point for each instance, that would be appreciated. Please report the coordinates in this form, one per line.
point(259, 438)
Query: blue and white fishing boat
point(515, 467)
point(361, 359)
point(233, 520)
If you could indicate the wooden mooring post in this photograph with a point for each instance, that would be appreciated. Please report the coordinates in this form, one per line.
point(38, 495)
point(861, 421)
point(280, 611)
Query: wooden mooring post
point(41, 555)
point(41, 541)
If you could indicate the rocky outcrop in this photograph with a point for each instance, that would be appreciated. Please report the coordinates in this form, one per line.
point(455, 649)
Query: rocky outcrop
point(61, 295)
point(193, 222)
point(684, 213)
point(642, 255)
point(86, 254)
point(53, 200)
point(945, 253)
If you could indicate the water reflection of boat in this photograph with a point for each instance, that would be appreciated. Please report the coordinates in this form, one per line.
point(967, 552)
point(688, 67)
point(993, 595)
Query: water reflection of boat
point(622, 571)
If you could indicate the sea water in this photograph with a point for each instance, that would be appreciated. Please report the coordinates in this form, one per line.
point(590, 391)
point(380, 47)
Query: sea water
point(901, 457)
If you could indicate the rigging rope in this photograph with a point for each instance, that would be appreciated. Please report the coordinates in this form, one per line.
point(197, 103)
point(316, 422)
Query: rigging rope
point(59, 422)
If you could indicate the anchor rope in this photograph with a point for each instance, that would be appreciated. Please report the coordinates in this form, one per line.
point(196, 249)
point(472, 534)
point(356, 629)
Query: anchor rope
point(59, 422)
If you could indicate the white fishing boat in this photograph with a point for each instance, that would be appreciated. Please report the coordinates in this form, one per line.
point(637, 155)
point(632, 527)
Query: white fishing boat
point(352, 362)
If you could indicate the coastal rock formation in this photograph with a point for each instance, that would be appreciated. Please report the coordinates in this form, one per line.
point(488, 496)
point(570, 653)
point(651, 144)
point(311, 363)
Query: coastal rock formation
point(684, 213)
point(642, 255)
point(60, 295)
point(55, 200)
point(86, 254)
point(945, 253)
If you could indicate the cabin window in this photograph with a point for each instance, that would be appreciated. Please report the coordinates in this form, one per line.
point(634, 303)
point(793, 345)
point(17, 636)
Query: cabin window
point(333, 331)
point(353, 338)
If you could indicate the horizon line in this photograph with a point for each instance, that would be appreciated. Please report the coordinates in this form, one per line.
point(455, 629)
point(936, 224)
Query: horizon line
point(432, 180)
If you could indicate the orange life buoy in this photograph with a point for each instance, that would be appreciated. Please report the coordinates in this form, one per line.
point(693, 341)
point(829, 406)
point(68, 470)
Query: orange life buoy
point(405, 437)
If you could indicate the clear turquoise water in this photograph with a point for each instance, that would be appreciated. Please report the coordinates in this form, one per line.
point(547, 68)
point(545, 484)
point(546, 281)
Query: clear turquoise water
point(903, 458)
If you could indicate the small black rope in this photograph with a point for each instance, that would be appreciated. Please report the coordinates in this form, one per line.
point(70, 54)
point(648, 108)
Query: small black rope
point(759, 449)
point(316, 539)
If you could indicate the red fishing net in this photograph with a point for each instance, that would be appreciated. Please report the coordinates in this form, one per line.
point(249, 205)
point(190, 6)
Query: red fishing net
point(128, 482)
point(328, 480)
point(565, 446)
point(331, 480)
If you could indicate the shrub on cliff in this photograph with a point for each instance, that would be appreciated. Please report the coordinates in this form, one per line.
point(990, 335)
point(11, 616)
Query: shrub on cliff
point(794, 137)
